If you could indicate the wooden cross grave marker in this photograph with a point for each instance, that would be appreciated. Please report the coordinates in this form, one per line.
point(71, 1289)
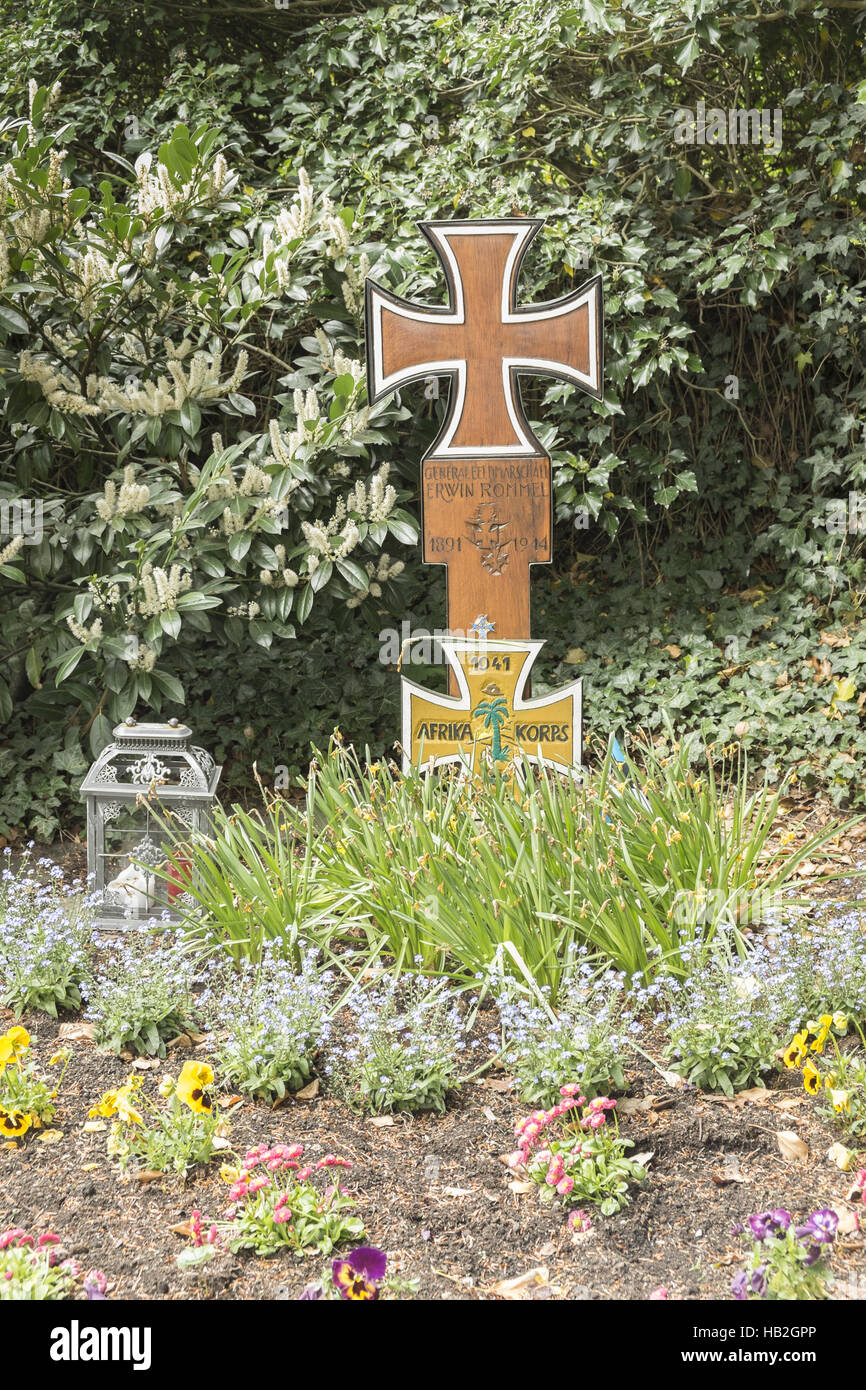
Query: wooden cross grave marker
point(485, 483)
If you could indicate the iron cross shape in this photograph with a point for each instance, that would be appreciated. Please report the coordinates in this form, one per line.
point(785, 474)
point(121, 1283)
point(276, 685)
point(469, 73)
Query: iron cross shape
point(483, 340)
point(490, 718)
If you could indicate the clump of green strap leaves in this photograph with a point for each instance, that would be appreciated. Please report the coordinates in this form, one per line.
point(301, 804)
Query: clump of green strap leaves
point(475, 876)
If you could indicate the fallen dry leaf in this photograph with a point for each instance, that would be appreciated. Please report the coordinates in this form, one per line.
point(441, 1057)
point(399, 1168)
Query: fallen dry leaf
point(521, 1285)
point(754, 1093)
point(740, 1098)
point(673, 650)
point(148, 1175)
point(791, 1145)
point(848, 1219)
point(229, 1102)
point(505, 1084)
point(51, 1136)
point(76, 1032)
point(517, 1185)
point(180, 1041)
point(94, 1126)
point(841, 1156)
point(637, 1106)
point(383, 1121)
point(308, 1092)
point(183, 1228)
point(457, 1191)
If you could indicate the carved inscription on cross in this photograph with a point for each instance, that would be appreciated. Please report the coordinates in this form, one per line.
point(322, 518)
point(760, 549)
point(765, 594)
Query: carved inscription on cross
point(488, 520)
point(485, 484)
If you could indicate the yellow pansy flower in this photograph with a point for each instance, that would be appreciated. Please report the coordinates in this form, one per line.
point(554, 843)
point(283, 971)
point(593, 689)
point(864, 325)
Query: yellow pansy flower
point(105, 1107)
point(14, 1123)
point(124, 1107)
point(795, 1052)
point(820, 1033)
point(193, 1086)
point(13, 1045)
point(811, 1078)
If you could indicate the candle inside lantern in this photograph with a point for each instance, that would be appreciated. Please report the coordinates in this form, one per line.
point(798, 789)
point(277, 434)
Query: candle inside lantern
point(132, 885)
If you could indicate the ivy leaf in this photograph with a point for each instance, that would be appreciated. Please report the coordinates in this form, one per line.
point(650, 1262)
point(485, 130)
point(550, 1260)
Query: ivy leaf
point(688, 54)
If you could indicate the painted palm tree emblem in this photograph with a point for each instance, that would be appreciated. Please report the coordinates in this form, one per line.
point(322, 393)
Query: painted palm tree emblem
point(495, 713)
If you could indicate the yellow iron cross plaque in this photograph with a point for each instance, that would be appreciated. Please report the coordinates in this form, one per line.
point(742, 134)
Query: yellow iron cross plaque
point(490, 721)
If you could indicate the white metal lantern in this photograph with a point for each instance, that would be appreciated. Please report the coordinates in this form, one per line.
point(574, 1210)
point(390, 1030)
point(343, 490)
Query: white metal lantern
point(149, 774)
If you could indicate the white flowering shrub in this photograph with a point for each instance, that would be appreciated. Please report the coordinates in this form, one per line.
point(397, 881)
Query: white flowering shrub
point(182, 386)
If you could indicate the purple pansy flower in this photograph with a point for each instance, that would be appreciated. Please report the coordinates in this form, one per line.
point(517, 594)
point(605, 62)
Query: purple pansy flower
point(312, 1292)
point(761, 1224)
point(824, 1224)
point(738, 1286)
point(358, 1275)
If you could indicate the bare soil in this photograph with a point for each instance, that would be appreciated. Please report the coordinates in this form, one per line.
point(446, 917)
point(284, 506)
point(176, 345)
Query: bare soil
point(434, 1192)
